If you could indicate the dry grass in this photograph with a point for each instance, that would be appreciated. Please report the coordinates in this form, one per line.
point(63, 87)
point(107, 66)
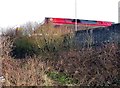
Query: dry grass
point(28, 72)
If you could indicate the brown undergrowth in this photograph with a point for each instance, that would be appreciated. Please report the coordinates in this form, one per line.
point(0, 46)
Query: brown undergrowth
point(71, 67)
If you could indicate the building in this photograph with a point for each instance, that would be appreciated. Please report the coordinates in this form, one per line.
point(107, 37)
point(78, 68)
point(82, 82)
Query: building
point(81, 24)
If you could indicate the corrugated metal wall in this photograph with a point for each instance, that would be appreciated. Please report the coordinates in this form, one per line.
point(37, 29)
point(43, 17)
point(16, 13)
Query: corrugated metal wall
point(98, 36)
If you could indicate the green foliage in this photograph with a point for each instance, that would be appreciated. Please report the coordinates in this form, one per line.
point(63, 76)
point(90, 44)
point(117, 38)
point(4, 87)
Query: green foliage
point(60, 77)
point(23, 47)
point(45, 40)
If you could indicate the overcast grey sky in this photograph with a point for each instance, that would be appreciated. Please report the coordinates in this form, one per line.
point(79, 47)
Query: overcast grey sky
point(16, 12)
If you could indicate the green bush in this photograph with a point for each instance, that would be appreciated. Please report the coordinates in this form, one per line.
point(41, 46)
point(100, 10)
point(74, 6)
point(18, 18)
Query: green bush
point(45, 40)
point(37, 45)
point(23, 47)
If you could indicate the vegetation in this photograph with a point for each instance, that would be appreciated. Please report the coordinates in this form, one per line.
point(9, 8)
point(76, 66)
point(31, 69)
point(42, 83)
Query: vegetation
point(44, 41)
point(61, 78)
point(48, 56)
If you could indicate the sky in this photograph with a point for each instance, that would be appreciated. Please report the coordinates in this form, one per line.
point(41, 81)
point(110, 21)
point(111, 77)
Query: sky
point(17, 12)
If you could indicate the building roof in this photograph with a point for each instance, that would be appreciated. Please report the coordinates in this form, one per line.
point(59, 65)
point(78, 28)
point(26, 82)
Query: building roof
point(79, 21)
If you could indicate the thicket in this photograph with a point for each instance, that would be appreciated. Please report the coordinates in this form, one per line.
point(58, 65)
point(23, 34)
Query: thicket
point(87, 66)
point(43, 40)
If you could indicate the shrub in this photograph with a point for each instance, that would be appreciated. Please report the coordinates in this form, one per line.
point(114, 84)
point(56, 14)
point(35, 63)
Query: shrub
point(45, 40)
point(52, 39)
point(23, 47)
